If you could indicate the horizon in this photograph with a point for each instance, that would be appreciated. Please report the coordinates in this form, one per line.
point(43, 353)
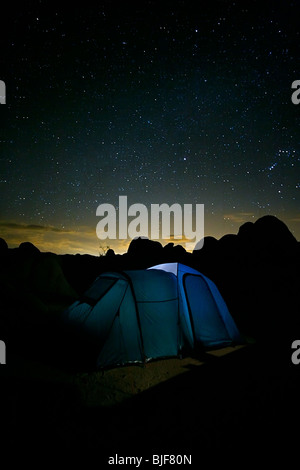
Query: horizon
point(60, 241)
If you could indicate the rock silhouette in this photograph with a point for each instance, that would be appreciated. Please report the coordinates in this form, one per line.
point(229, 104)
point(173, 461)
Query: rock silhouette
point(256, 271)
point(3, 247)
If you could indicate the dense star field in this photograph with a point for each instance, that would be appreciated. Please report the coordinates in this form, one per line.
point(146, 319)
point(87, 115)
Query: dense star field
point(183, 101)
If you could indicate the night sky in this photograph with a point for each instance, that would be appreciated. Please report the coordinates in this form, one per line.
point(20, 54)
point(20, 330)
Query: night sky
point(182, 101)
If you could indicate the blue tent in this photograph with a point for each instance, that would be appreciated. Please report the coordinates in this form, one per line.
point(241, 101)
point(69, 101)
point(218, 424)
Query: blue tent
point(136, 316)
point(204, 315)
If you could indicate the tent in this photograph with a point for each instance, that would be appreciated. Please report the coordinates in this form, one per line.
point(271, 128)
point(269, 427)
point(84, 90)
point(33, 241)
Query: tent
point(139, 315)
point(128, 317)
point(204, 315)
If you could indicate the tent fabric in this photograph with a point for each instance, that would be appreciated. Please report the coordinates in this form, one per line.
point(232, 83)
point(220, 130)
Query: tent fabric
point(205, 317)
point(139, 315)
point(129, 317)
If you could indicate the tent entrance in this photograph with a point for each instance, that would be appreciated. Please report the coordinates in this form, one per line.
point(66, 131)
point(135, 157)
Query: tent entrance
point(207, 324)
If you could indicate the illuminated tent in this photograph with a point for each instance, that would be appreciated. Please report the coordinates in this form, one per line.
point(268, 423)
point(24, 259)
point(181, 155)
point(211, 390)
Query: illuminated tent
point(136, 316)
point(128, 317)
point(204, 315)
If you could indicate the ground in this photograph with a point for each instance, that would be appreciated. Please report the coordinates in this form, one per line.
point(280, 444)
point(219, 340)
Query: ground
point(115, 385)
point(234, 398)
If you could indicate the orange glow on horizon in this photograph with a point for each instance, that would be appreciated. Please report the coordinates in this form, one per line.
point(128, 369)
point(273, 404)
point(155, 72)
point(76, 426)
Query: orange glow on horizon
point(83, 240)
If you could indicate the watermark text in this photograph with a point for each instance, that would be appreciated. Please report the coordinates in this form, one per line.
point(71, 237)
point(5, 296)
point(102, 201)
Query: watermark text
point(296, 94)
point(2, 352)
point(183, 223)
point(2, 92)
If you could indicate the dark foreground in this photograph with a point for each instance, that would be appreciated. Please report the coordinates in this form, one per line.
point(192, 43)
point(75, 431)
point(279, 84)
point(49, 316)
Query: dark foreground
point(239, 408)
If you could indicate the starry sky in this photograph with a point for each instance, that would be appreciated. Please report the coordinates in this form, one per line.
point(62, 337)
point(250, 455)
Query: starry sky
point(165, 102)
